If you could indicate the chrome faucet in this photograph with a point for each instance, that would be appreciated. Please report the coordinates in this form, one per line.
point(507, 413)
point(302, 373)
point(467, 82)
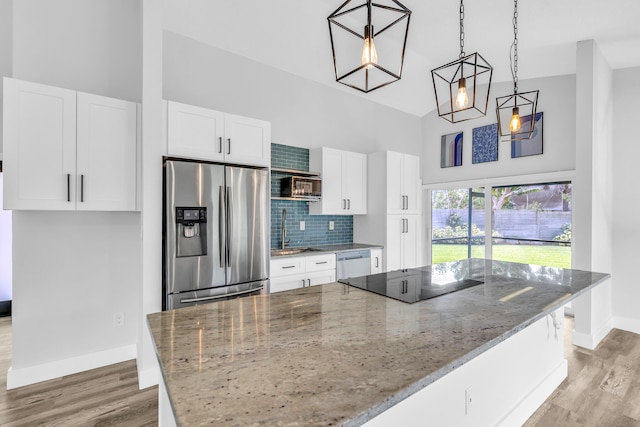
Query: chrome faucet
point(283, 231)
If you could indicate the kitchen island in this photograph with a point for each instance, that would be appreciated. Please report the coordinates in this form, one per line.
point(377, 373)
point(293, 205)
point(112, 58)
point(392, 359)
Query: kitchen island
point(338, 355)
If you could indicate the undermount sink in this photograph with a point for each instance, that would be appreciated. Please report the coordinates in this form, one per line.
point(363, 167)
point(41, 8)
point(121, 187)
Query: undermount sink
point(291, 251)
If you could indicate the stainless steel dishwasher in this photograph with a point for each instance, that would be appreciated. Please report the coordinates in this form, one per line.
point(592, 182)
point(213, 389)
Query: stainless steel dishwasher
point(353, 264)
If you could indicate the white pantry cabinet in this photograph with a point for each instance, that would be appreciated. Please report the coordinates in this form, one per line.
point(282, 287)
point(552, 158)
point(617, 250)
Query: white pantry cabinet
point(299, 272)
point(68, 150)
point(344, 182)
point(403, 180)
point(394, 218)
point(205, 134)
point(403, 242)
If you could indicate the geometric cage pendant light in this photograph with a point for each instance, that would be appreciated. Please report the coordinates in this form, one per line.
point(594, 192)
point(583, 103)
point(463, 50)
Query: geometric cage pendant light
point(517, 112)
point(368, 42)
point(462, 86)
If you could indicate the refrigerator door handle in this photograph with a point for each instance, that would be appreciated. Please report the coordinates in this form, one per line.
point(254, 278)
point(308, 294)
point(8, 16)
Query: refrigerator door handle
point(232, 294)
point(229, 224)
point(221, 222)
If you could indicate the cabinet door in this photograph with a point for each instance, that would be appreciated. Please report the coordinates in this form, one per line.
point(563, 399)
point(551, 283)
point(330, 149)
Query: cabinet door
point(321, 277)
point(106, 154)
point(376, 261)
point(286, 283)
point(247, 141)
point(395, 200)
point(194, 132)
point(395, 226)
point(411, 242)
point(39, 146)
point(410, 183)
point(332, 200)
point(354, 182)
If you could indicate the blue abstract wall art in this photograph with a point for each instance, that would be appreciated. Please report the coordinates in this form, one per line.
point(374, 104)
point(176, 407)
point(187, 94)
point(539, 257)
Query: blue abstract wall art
point(484, 144)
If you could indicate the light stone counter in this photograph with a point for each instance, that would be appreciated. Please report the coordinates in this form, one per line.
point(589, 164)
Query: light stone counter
point(337, 355)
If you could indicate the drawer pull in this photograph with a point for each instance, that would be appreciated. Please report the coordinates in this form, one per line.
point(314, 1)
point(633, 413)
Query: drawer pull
point(288, 266)
point(322, 262)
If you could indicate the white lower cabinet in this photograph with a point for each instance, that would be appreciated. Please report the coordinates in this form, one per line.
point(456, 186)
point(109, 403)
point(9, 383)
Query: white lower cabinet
point(376, 261)
point(299, 272)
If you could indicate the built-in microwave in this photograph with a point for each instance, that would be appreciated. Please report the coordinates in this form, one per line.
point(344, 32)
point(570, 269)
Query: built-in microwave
point(301, 186)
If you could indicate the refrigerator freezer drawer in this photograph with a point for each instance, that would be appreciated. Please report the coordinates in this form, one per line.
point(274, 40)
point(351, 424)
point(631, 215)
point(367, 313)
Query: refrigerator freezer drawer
point(204, 296)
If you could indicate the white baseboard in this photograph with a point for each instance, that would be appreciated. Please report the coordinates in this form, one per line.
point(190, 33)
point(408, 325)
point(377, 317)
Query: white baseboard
point(148, 377)
point(627, 324)
point(48, 371)
point(532, 401)
point(591, 341)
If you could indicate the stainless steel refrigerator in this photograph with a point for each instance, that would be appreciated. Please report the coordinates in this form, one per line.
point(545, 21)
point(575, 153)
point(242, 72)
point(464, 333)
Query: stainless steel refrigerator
point(216, 232)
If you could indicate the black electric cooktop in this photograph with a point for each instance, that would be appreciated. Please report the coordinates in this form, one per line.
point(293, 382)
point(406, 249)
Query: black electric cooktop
point(411, 285)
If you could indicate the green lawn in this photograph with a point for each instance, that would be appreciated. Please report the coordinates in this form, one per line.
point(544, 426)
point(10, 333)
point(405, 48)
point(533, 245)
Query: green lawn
point(555, 256)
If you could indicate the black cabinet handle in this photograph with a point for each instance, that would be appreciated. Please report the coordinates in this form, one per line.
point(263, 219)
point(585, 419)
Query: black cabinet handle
point(68, 187)
point(82, 188)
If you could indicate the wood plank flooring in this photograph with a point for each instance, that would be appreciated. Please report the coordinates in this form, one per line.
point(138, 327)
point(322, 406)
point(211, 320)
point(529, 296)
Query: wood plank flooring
point(107, 396)
point(602, 389)
point(603, 386)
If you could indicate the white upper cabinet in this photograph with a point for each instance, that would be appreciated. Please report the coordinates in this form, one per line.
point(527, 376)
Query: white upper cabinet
point(403, 189)
point(106, 154)
point(65, 150)
point(195, 132)
point(205, 134)
point(344, 182)
point(248, 141)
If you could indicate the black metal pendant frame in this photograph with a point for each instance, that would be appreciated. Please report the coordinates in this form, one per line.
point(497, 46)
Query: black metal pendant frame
point(527, 105)
point(368, 84)
point(477, 73)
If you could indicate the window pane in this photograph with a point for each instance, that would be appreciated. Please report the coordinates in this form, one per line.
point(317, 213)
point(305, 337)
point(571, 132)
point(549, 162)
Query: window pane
point(452, 238)
point(532, 224)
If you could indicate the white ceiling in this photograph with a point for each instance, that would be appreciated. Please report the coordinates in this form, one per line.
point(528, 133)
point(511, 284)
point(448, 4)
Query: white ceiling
point(292, 35)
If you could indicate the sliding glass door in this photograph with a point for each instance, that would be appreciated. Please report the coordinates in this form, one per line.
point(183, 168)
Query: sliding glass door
point(457, 224)
point(529, 224)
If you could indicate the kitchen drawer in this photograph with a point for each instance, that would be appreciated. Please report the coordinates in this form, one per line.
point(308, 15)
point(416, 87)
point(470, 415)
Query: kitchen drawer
point(320, 262)
point(286, 283)
point(287, 266)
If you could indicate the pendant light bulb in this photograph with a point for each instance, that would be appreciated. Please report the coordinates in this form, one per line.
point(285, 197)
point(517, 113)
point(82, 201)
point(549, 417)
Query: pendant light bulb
point(369, 54)
point(515, 124)
point(462, 98)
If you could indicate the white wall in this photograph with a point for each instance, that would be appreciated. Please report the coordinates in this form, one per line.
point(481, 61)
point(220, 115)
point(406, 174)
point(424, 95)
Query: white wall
point(91, 46)
point(302, 113)
point(5, 251)
point(592, 191)
point(556, 101)
point(74, 270)
point(626, 205)
point(6, 48)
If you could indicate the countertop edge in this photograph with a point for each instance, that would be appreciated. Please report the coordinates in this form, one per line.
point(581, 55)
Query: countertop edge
point(318, 250)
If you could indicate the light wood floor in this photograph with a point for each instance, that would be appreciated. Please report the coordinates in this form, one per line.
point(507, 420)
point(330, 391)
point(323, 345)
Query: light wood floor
point(101, 397)
point(602, 390)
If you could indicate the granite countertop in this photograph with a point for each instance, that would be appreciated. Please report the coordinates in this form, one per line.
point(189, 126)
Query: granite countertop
point(324, 249)
point(337, 355)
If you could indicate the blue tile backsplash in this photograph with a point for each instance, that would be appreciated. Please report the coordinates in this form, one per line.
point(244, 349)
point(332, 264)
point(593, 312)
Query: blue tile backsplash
point(316, 226)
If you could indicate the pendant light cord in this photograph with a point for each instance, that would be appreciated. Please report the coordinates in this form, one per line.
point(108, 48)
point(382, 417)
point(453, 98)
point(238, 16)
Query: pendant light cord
point(461, 28)
point(513, 57)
